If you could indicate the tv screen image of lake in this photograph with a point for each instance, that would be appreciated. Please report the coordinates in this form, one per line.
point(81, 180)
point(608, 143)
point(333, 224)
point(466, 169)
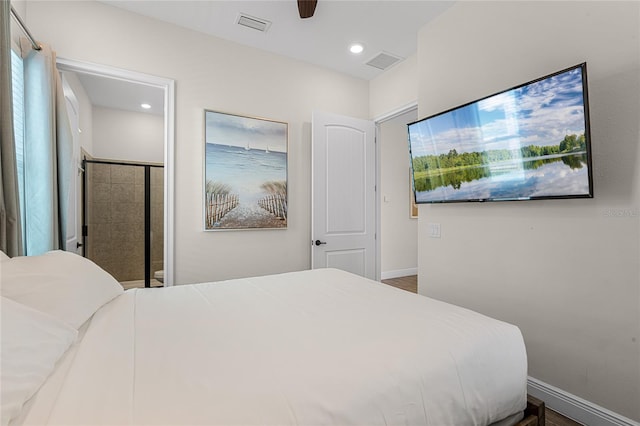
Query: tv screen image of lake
point(251, 175)
point(543, 176)
point(528, 142)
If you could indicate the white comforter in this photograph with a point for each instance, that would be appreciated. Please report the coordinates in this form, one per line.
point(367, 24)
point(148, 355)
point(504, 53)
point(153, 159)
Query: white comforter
point(303, 348)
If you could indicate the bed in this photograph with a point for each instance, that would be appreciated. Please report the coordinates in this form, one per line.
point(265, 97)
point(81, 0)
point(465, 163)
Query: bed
point(301, 348)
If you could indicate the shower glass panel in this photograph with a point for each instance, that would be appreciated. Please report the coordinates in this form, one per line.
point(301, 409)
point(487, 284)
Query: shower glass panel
point(124, 220)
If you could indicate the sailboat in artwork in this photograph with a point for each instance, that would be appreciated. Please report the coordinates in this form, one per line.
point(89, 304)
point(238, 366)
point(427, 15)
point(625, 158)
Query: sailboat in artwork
point(266, 151)
point(247, 148)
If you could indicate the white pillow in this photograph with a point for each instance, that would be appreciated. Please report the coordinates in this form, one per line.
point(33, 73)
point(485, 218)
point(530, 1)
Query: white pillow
point(3, 256)
point(62, 284)
point(32, 342)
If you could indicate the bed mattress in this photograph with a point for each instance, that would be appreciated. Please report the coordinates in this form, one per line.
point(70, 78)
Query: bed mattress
point(302, 348)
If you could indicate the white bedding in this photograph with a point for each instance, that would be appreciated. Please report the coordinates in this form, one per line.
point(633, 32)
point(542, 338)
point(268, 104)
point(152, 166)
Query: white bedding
point(303, 348)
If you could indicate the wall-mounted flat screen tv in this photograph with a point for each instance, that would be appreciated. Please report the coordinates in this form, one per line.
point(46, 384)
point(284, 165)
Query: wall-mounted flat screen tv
point(529, 142)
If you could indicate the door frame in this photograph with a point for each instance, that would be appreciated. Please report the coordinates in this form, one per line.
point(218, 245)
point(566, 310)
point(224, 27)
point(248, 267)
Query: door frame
point(168, 86)
point(377, 121)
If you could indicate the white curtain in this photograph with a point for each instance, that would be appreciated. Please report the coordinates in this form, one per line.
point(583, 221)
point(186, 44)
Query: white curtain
point(48, 151)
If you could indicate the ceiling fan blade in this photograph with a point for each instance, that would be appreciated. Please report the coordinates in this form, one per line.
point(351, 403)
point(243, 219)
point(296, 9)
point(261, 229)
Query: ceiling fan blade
point(306, 8)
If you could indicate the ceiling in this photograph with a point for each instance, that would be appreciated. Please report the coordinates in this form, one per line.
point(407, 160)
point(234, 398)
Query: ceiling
point(324, 39)
point(380, 26)
point(119, 94)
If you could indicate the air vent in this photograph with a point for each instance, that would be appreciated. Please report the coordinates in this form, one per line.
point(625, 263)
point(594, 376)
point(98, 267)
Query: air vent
point(253, 22)
point(383, 60)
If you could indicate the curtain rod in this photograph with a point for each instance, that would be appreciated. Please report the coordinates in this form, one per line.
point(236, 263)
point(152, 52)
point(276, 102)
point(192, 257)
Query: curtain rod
point(24, 29)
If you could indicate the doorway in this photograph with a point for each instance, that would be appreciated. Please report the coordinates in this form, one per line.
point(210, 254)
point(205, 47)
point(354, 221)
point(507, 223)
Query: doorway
point(366, 224)
point(107, 78)
point(398, 224)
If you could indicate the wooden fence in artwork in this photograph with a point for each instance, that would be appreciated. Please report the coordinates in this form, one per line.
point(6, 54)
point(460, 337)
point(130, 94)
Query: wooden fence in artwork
point(219, 205)
point(276, 204)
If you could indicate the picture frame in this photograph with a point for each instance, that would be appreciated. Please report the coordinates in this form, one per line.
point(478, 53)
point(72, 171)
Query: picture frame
point(413, 208)
point(245, 172)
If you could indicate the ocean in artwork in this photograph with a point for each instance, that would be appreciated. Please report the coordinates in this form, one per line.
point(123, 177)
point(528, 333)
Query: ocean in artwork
point(253, 179)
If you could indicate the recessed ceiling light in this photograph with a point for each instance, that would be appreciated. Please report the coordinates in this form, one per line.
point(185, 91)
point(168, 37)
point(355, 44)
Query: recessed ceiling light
point(145, 106)
point(356, 48)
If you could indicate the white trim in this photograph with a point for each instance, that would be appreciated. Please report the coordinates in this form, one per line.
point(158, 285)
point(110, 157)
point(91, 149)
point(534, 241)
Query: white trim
point(168, 85)
point(169, 182)
point(396, 112)
point(574, 407)
point(15, 46)
point(378, 241)
point(398, 273)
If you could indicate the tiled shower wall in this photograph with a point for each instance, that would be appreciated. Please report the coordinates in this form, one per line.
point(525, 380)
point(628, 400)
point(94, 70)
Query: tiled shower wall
point(115, 219)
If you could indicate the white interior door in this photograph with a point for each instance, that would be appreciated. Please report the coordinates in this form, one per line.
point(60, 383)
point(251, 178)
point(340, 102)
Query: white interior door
point(343, 194)
point(74, 206)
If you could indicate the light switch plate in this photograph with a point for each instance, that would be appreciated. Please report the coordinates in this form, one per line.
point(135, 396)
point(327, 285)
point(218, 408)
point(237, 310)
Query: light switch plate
point(434, 230)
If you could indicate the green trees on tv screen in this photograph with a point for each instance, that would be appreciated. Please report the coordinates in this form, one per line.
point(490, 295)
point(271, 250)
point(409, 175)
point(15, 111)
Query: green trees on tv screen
point(451, 160)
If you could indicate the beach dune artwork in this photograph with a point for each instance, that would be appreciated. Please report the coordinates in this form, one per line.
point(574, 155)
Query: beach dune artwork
point(245, 172)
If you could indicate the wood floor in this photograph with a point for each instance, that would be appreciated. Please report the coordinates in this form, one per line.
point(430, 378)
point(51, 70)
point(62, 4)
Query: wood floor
point(410, 283)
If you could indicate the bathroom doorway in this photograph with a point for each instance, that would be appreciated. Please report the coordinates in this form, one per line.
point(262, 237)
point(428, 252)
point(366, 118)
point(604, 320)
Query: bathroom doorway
point(117, 148)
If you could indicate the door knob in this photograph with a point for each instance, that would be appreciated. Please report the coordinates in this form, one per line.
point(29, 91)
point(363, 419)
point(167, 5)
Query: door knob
point(318, 242)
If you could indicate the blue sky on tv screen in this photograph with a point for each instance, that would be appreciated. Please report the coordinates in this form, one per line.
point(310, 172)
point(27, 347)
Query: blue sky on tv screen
point(539, 113)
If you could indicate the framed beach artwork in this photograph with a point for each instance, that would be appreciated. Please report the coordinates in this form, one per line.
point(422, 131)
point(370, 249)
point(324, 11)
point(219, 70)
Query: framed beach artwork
point(245, 172)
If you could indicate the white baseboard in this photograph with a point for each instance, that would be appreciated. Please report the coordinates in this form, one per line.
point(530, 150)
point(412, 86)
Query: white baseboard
point(387, 275)
point(574, 407)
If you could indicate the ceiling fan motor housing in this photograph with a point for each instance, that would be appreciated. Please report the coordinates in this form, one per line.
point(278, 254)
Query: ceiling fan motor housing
point(307, 8)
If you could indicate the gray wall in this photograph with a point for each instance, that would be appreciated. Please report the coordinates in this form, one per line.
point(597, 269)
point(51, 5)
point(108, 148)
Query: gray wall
point(565, 271)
